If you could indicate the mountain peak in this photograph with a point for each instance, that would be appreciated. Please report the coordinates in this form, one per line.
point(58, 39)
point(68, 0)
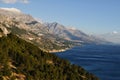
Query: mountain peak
point(11, 10)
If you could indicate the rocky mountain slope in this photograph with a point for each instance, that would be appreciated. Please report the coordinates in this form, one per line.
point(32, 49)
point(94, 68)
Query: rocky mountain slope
point(71, 34)
point(27, 28)
point(48, 36)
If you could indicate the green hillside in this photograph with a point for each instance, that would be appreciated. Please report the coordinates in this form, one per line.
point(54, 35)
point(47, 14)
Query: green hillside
point(23, 61)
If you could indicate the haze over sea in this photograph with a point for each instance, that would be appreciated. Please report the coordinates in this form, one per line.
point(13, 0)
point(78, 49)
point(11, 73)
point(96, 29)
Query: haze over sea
point(101, 60)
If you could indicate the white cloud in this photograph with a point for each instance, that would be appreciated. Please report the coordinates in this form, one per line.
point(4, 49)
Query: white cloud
point(14, 1)
point(24, 1)
point(9, 1)
point(114, 32)
point(12, 9)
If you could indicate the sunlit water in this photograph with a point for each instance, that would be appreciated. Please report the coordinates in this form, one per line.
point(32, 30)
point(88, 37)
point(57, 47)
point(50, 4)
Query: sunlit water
point(101, 60)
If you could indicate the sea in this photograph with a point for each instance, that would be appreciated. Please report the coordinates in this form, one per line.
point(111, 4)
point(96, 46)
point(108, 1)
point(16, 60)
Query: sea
point(101, 60)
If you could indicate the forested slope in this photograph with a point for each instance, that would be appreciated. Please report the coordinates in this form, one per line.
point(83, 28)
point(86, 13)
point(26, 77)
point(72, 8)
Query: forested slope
point(23, 61)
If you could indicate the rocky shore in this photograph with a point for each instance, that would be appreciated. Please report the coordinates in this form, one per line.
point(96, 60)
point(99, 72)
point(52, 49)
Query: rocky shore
point(61, 50)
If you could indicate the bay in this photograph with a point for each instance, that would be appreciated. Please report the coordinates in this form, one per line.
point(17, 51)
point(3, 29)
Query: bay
point(101, 60)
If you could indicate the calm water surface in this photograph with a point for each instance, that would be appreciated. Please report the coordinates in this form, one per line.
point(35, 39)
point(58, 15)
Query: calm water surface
point(101, 60)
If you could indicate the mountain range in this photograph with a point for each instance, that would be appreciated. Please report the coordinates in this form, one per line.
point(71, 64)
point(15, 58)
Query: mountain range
point(72, 34)
point(47, 36)
point(113, 37)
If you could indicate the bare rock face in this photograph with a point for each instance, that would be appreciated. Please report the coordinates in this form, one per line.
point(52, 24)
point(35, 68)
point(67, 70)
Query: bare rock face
point(3, 31)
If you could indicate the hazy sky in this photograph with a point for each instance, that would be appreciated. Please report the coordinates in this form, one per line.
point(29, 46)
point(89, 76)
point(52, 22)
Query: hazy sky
point(90, 16)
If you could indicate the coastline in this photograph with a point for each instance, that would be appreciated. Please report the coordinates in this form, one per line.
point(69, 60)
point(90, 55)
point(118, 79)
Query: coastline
point(61, 50)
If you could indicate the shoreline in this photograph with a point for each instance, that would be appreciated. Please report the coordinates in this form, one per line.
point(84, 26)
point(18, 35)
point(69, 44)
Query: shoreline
point(61, 50)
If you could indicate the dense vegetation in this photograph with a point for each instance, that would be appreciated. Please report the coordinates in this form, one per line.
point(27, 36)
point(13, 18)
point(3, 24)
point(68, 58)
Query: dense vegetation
point(23, 61)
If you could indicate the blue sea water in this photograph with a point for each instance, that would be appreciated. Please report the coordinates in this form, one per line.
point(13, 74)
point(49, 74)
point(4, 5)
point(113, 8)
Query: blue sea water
point(101, 60)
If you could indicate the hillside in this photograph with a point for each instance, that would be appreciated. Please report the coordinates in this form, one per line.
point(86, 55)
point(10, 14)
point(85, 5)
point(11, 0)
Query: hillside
point(23, 61)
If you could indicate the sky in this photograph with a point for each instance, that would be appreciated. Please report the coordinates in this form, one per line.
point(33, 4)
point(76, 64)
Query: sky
point(89, 16)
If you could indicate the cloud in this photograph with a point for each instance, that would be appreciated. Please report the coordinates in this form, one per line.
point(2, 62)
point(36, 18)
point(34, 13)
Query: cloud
point(8, 1)
point(114, 32)
point(11, 9)
point(24, 1)
point(14, 1)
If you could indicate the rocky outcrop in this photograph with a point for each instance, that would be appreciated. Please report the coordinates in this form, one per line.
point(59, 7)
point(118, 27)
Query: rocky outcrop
point(3, 31)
